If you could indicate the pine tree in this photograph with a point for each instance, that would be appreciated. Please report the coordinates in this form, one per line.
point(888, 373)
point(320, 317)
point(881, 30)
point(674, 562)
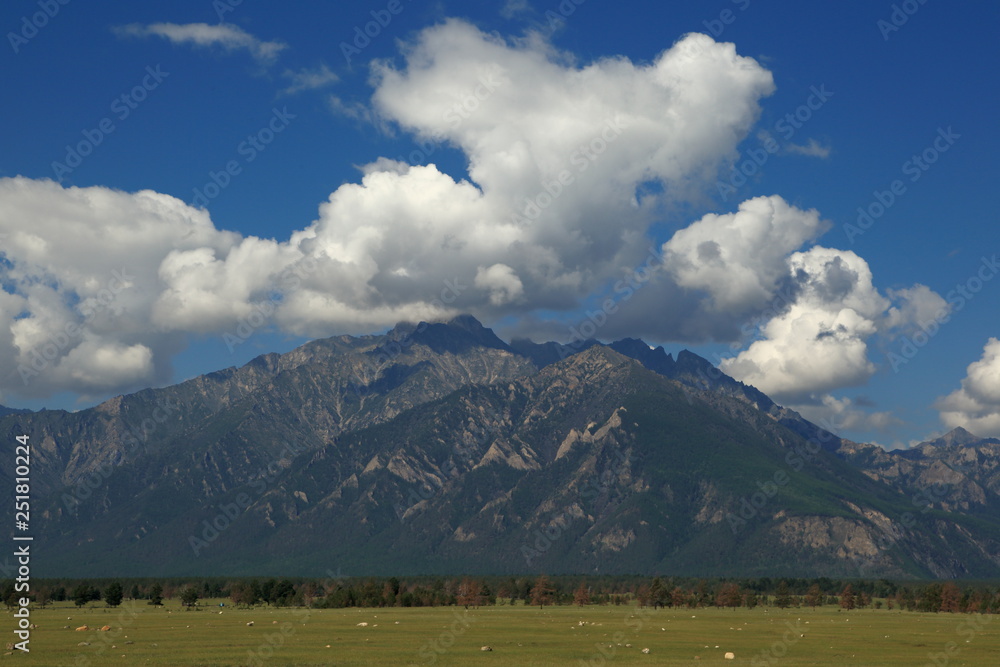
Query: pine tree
point(81, 595)
point(156, 595)
point(782, 598)
point(113, 594)
point(189, 596)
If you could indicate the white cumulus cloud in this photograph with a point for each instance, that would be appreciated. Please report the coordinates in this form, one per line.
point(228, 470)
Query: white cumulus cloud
point(976, 405)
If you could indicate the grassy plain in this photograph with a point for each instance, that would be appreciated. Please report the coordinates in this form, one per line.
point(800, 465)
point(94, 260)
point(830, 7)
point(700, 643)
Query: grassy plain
point(521, 636)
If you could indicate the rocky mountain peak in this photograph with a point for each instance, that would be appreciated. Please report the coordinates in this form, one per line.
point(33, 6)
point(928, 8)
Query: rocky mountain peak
point(957, 437)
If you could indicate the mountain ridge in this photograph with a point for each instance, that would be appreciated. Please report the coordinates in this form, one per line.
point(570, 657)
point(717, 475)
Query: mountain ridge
point(438, 444)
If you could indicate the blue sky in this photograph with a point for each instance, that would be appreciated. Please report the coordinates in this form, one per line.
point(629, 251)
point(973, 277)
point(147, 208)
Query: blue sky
point(821, 107)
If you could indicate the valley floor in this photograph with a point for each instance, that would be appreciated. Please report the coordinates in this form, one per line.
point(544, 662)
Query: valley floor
point(522, 636)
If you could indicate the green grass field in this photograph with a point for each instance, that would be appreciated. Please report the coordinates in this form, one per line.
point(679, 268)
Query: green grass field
point(519, 636)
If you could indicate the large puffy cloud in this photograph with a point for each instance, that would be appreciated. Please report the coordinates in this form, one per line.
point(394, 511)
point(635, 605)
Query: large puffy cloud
point(740, 260)
point(819, 343)
point(80, 274)
point(555, 210)
point(976, 405)
point(557, 152)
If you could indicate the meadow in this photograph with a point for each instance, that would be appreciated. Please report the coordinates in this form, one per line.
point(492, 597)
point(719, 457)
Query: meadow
point(518, 635)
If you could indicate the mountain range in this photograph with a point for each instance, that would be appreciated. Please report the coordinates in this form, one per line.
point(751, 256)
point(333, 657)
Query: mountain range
point(440, 448)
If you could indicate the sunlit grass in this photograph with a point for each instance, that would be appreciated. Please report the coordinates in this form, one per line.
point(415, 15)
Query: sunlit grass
point(518, 636)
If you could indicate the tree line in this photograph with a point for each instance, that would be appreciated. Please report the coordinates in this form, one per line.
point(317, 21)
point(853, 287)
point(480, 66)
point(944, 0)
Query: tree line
point(537, 590)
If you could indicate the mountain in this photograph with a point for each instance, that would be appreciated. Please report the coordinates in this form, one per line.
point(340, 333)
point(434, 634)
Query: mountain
point(958, 472)
point(4, 410)
point(439, 448)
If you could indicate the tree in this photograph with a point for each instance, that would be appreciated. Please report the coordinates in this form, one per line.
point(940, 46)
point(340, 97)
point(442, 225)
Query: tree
point(10, 595)
point(282, 593)
point(930, 599)
point(266, 588)
point(582, 595)
point(541, 592)
point(469, 592)
point(42, 596)
point(782, 598)
point(156, 595)
point(847, 598)
point(657, 593)
point(189, 596)
point(951, 598)
point(81, 595)
point(113, 594)
point(729, 596)
point(244, 594)
point(814, 596)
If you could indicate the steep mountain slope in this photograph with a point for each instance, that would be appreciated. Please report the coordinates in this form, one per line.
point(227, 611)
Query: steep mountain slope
point(956, 472)
point(440, 449)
